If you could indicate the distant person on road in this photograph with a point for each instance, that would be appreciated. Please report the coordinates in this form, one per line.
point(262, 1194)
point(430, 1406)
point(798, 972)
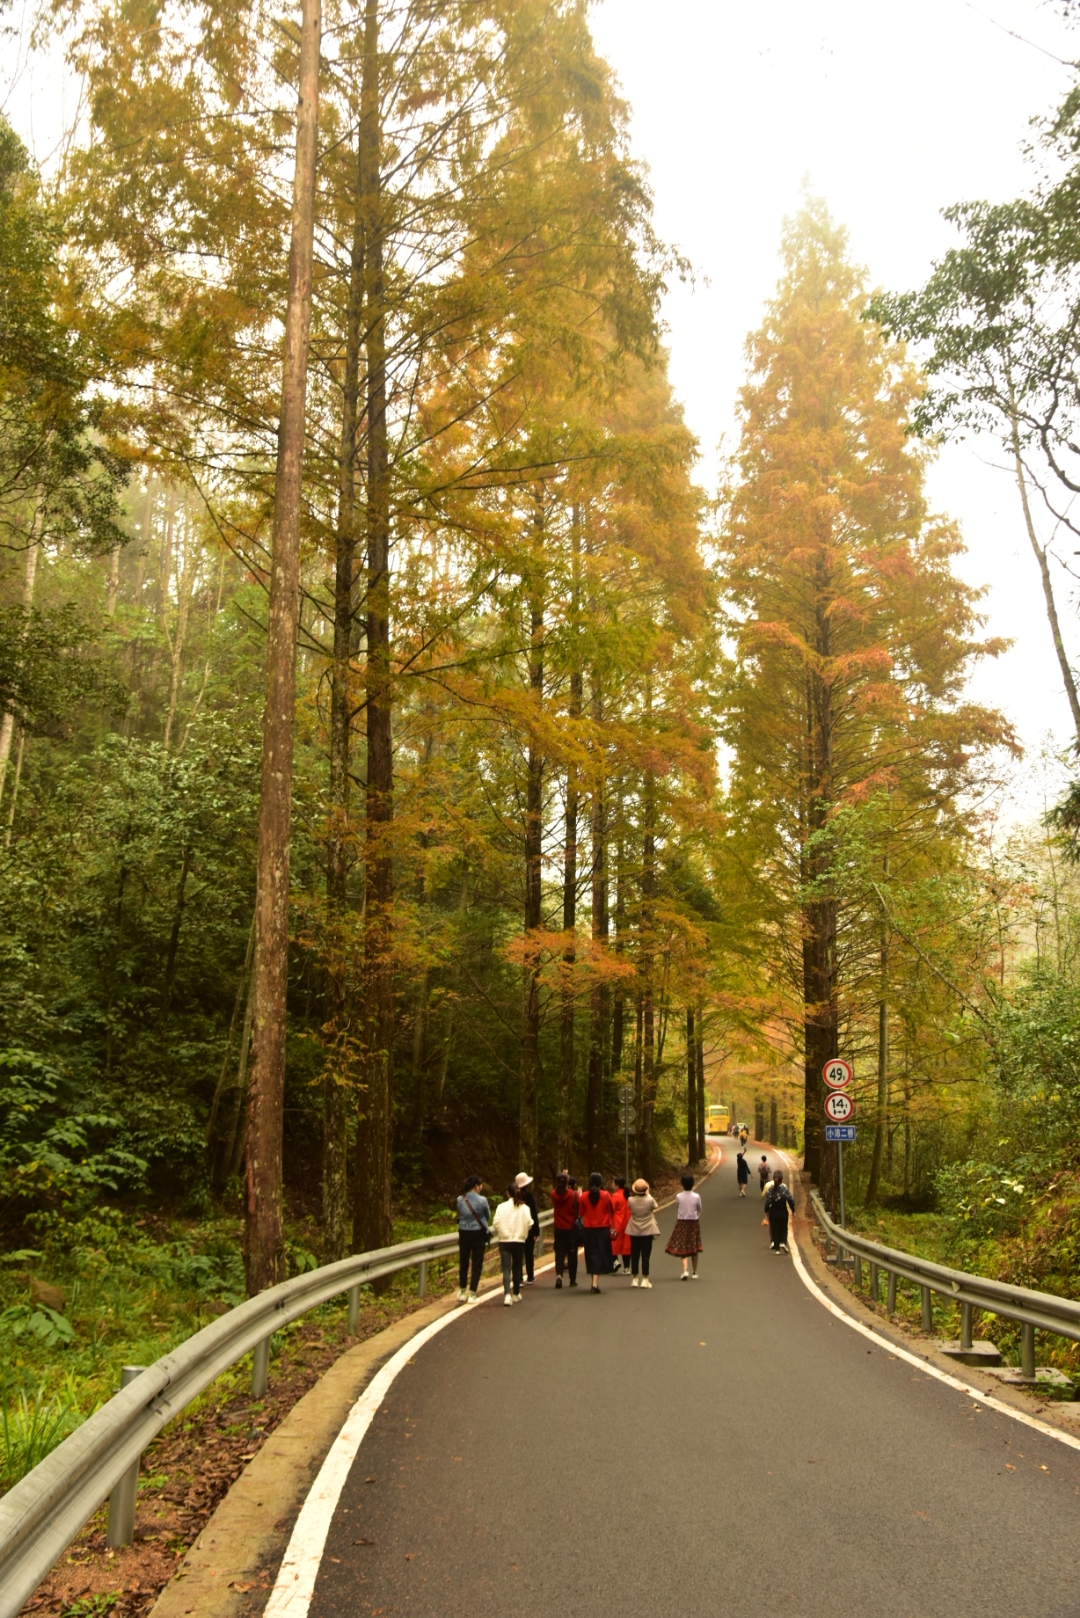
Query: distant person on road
point(473, 1217)
point(523, 1182)
point(598, 1219)
point(742, 1172)
point(685, 1239)
point(565, 1201)
point(512, 1224)
point(778, 1200)
point(764, 1173)
point(620, 1244)
point(744, 1134)
point(641, 1230)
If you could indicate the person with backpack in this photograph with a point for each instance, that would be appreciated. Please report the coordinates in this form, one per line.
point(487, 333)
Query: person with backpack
point(512, 1224)
point(685, 1240)
point(764, 1173)
point(564, 1200)
point(778, 1200)
point(641, 1231)
point(473, 1236)
point(523, 1181)
point(620, 1243)
point(598, 1220)
point(742, 1172)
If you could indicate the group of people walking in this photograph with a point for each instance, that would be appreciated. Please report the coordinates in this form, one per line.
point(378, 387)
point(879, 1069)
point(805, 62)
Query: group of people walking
point(778, 1200)
point(615, 1229)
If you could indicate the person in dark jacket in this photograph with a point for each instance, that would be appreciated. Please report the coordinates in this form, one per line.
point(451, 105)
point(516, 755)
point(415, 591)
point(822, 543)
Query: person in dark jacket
point(598, 1218)
point(764, 1174)
point(474, 1214)
point(524, 1184)
point(742, 1172)
point(778, 1200)
point(564, 1200)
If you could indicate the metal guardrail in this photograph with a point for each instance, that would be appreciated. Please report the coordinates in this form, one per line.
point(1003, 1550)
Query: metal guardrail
point(44, 1511)
point(1035, 1311)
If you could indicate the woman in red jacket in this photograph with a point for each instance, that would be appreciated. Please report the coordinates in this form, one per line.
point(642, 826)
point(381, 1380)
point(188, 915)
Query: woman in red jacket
point(598, 1218)
point(620, 1242)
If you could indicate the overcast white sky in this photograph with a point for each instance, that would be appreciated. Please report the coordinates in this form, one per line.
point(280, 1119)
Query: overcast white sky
point(891, 111)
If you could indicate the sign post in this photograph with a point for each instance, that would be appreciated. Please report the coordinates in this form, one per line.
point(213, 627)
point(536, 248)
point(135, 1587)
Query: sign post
point(839, 1111)
point(627, 1116)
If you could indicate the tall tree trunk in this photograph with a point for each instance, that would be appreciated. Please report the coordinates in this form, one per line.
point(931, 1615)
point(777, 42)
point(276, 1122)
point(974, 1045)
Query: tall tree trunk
point(569, 921)
point(691, 1089)
point(210, 1137)
point(1047, 586)
point(600, 995)
point(618, 1012)
point(881, 1117)
point(338, 1099)
point(639, 1050)
point(264, 1247)
point(648, 895)
point(699, 1062)
point(372, 1217)
point(820, 1007)
point(570, 864)
point(528, 1125)
point(7, 722)
point(174, 931)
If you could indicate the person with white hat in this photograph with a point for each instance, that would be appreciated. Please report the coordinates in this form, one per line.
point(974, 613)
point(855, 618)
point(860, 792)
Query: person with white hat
point(523, 1181)
point(641, 1229)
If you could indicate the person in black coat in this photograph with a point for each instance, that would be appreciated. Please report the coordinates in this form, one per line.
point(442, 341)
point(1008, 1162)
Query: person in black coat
point(742, 1172)
point(778, 1201)
point(524, 1185)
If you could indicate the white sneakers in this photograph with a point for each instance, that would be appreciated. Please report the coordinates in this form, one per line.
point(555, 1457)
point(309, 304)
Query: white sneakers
point(515, 1297)
point(507, 1300)
point(693, 1275)
point(462, 1295)
point(646, 1282)
point(635, 1281)
point(473, 1296)
point(685, 1276)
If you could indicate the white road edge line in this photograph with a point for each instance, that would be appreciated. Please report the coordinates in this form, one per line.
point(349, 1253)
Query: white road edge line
point(295, 1583)
point(912, 1359)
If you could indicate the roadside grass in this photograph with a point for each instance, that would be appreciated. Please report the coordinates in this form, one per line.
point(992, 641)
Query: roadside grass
point(1042, 1252)
point(136, 1286)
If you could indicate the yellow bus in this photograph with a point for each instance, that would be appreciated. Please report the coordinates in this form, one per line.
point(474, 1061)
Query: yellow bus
point(717, 1121)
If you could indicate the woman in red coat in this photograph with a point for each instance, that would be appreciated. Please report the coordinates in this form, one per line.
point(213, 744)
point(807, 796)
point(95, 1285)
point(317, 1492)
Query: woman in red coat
point(620, 1241)
point(597, 1215)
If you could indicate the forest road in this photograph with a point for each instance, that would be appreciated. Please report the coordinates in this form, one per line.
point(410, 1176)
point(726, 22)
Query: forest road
point(708, 1447)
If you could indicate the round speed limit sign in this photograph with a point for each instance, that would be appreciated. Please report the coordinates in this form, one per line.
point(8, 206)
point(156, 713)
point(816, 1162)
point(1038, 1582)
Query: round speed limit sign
point(838, 1074)
point(838, 1107)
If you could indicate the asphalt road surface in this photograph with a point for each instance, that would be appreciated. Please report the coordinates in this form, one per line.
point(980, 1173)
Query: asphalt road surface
point(708, 1447)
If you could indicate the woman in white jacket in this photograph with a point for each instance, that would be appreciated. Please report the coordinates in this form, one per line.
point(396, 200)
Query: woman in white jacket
point(512, 1224)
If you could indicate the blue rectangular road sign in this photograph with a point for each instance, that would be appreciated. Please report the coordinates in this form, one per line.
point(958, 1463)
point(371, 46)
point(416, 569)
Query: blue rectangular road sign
point(840, 1132)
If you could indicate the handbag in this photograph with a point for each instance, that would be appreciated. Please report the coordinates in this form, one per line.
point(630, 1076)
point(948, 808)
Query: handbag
point(577, 1229)
point(485, 1228)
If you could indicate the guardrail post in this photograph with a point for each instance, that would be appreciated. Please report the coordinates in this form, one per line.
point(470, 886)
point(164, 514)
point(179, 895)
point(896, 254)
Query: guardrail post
point(927, 1310)
point(874, 1282)
point(858, 1271)
point(965, 1325)
point(421, 1284)
point(121, 1525)
point(354, 1311)
point(1027, 1352)
point(260, 1368)
point(891, 1289)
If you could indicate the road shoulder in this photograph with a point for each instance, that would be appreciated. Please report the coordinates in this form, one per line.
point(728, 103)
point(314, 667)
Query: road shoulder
point(1064, 1417)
